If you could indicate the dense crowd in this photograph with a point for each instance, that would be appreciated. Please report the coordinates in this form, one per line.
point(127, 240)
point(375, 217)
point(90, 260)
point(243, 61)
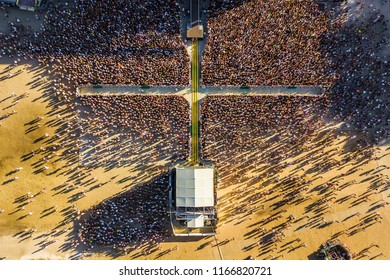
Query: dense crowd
point(249, 42)
point(300, 43)
point(134, 219)
point(132, 129)
point(238, 125)
point(265, 43)
point(126, 42)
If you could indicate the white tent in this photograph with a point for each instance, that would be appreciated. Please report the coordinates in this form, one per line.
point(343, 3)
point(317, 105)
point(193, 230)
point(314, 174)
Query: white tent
point(194, 187)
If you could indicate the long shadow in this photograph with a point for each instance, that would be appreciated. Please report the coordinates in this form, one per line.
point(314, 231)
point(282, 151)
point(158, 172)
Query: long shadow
point(137, 218)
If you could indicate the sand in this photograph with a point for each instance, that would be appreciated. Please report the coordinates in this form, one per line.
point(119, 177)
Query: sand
point(49, 231)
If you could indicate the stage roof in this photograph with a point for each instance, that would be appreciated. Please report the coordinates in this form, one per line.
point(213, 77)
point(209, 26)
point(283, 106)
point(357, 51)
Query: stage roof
point(194, 187)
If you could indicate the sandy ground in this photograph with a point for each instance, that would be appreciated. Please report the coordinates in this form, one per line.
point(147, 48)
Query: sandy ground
point(48, 233)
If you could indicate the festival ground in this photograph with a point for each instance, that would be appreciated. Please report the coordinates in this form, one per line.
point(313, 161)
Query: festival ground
point(248, 198)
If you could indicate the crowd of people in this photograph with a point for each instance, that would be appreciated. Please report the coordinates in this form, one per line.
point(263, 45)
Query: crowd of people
point(249, 42)
point(135, 219)
point(265, 43)
point(278, 157)
point(358, 43)
point(125, 42)
point(300, 43)
point(132, 129)
point(236, 125)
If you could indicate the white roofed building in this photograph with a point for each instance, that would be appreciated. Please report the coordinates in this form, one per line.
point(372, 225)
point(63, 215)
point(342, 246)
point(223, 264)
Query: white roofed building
point(194, 187)
point(193, 199)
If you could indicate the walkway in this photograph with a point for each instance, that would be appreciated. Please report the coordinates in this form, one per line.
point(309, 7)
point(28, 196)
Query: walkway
point(195, 103)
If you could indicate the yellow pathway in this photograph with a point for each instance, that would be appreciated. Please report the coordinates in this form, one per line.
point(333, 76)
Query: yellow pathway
point(195, 106)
